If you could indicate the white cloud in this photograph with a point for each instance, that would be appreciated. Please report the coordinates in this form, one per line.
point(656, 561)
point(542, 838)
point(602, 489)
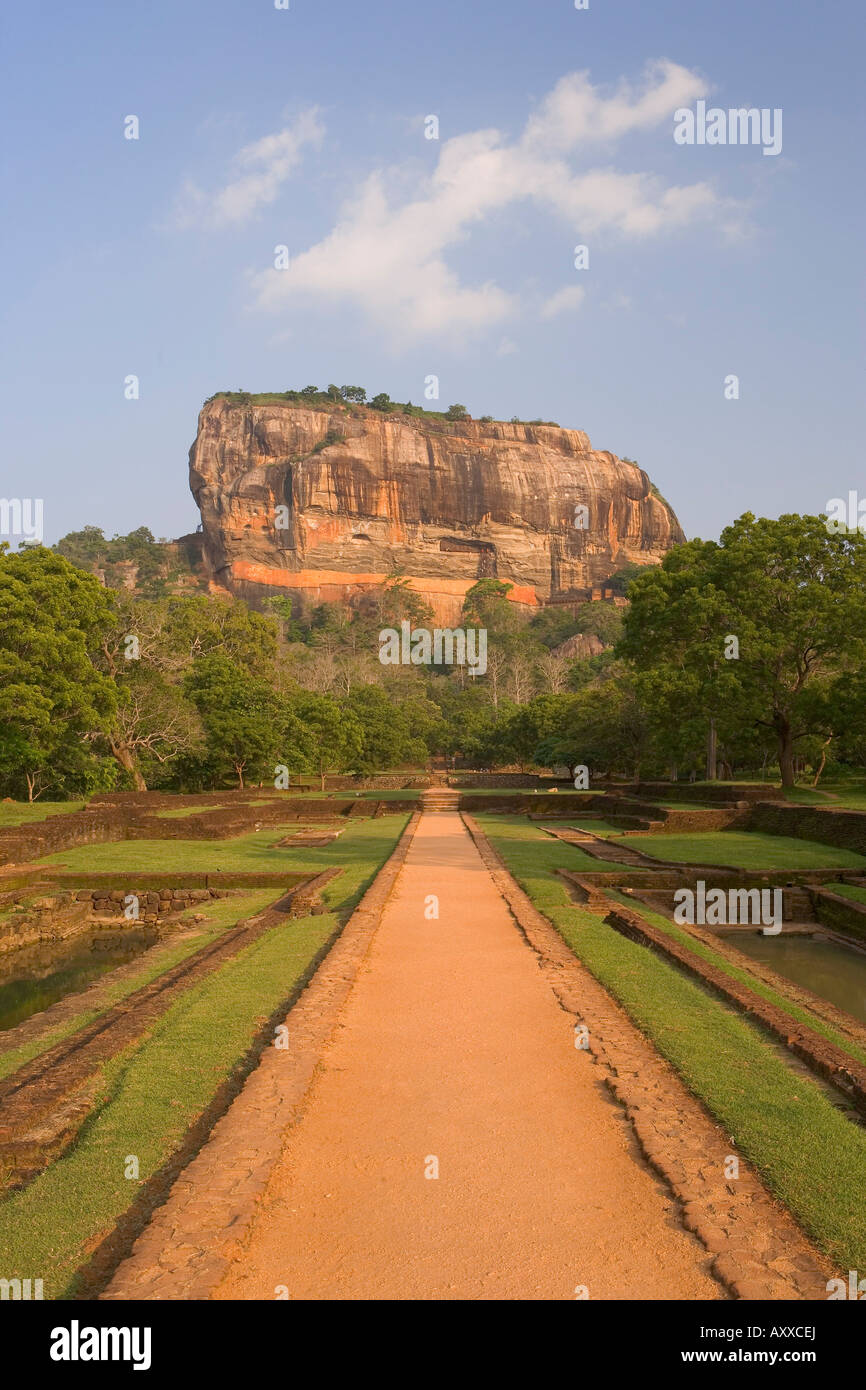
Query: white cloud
point(571, 297)
point(259, 171)
point(387, 253)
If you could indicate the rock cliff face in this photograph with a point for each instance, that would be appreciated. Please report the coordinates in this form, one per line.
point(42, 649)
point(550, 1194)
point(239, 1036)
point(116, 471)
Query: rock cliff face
point(323, 504)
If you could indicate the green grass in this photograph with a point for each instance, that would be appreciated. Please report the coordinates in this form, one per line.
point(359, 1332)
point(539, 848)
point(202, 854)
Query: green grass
point(22, 812)
point(847, 890)
point(854, 798)
point(151, 1094)
point(550, 853)
point(845, 792)
point(810, 1155)
point(743, 849)
point(183, 811)
point(256, 851)
point(149, 1097)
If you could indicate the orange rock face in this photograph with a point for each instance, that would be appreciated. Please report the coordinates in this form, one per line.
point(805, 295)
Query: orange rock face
point(324, 504)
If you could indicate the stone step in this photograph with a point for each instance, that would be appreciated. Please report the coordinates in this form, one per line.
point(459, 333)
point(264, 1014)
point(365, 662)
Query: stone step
point(439, 799)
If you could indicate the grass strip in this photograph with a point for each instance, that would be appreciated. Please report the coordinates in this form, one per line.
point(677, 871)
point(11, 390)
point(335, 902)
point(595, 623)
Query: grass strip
point(149, 1097)
point(256, 850)
point(24, 812)
point(745, 849)
point(847, 890)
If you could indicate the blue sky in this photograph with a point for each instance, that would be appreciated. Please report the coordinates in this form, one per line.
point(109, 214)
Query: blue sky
point(410, 257)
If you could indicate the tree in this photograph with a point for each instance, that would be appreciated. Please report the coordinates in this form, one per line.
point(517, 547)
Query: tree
point(386, 736)
point(334, 734)
point(457, 412)
point(761, 630)
point(155, 723)
point(353, 393)
point(554, 671)
point(603, 727)
point(53, 700)
point(382, 402)
point(389, 604)
point(244, 731)
point(486, 603)
point(86, 548)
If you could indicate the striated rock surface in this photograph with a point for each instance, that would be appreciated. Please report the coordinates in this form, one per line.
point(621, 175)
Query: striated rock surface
point(323, 504)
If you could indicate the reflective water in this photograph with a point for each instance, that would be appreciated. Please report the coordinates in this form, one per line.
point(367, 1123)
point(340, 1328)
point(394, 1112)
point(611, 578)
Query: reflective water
point(834, 972)
point(36, 976)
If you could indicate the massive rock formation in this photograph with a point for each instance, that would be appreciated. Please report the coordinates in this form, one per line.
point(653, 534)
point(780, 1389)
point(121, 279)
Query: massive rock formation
point(323, 504)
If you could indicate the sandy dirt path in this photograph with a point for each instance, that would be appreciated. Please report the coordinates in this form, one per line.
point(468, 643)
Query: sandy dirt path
point(451, 1047)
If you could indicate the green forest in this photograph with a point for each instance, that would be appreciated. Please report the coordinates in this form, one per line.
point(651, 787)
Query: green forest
point(734, 657)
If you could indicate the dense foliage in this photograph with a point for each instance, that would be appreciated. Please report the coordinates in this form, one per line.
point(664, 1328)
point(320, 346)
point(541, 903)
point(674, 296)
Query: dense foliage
point(154, 686)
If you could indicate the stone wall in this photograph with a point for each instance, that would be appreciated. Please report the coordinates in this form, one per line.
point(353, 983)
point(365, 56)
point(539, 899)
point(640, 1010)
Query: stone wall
point(533, 803)
point(133, 820)
point(152, 903)
point(70, 912)
point(500, 779)
point(708, 791)
point(385, 781)
point(840, 914)
point(830, 826)
point(675, 821)
point(21, 843)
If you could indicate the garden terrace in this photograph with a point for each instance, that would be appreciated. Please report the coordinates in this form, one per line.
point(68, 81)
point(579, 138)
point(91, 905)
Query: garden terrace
point(138, 1047)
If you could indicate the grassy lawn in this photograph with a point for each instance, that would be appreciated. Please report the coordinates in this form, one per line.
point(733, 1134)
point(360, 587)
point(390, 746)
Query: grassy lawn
point(853, 797)
point(547, 852)
point(255, 851)
point(183, 811)
point(849, 792)
point(743, 849)
point(22, 812)
point(847, 890)
point(808, 1153)
point(151, 1094)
